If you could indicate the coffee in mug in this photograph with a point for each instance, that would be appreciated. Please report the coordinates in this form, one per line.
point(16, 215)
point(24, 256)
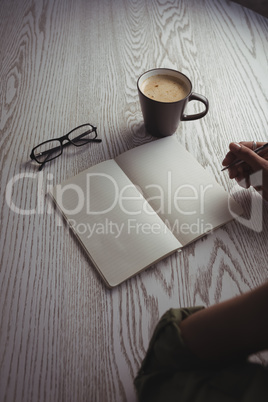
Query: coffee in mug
point(164, 88)
point(164, 94)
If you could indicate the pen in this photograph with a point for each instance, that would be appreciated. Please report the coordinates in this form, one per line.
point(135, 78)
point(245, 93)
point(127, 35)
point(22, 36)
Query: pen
point(239, 162)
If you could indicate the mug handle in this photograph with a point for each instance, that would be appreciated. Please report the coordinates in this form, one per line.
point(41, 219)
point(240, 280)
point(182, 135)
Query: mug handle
point(196, 116)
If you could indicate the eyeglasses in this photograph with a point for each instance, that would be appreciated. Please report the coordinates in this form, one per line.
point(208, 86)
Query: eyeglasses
point(51, 149)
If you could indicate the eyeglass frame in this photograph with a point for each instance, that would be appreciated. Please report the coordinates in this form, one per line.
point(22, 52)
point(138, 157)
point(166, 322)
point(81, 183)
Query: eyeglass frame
point(62, 145)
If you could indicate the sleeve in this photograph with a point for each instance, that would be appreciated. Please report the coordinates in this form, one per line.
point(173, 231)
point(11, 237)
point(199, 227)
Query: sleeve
point(170, 372)
point(259, 6)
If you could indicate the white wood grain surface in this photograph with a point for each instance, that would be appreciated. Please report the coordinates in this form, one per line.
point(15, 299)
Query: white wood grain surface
point(63, 335)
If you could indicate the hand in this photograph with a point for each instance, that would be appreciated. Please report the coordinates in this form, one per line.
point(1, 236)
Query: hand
point(253, 163)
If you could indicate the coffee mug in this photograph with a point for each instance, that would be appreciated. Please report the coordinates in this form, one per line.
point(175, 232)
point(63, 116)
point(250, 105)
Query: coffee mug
point(164, 94)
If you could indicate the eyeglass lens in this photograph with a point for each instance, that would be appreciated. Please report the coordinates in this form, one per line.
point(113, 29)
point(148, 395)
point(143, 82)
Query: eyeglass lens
point(47, 151)
point(82, 135)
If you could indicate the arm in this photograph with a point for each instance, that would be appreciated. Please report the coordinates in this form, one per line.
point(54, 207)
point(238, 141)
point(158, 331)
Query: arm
point(234, 328)
point(238, 326)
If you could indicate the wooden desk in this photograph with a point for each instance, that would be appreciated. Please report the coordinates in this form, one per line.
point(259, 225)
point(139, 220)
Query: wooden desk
point(64, 336)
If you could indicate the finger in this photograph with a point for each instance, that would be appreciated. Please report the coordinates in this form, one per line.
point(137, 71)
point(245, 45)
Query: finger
point(254, 145)
point(246, 154)
point(231, 157)
point(250, 144)
point(244, 182)
point(239, 172)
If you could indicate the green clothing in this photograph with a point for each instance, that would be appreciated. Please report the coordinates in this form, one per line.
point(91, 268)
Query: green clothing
point(170, 372)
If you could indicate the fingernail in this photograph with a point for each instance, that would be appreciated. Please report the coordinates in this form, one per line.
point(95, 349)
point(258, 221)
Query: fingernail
point(236, 145)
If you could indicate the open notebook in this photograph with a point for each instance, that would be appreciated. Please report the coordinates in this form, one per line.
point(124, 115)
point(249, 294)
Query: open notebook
point(138, 208)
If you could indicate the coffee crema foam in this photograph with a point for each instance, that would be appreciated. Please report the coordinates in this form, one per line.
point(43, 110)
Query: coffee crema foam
point(164, 88)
